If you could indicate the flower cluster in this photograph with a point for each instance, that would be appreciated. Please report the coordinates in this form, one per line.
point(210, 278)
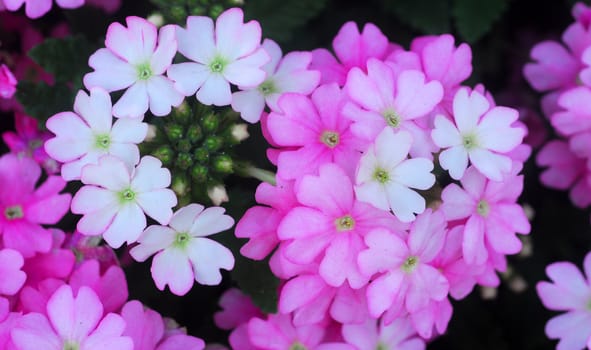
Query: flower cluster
point(561, 70)
point(38, 8)
point(363, 224)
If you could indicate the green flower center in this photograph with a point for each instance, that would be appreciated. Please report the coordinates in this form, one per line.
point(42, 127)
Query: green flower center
point(483, 208)
point(14, 212)
point(181, 240)
point(381, 346)
point(267, 88)
point(381, 175)
point(330, 138)
point(297, 346)
point(469, 141)
point(392, 118)
point(35, 143)
point(144, 71)
point(126, 196)
point(344, 223)
point(102, 142)
point(70, 345)
point(217, 65)
point(410, 264)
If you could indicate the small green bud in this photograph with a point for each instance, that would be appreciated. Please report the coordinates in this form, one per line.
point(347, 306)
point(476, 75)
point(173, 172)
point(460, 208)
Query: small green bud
point(210, 123)
point(180, 185)
point(223, 164)
point(201, 155)
point(174, 132)
point(213, 143)
point(194, 133)
point(164, 153)
point(178, 13)
point(184, 161)
point(216, 10)
point(182, 113)
point(199, 173)
point(184, 146)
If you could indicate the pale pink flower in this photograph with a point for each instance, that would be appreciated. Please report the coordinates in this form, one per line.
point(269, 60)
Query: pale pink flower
point(375, 334)
point(385, 176)
point(88, 133)
point(72, 322)
point(7, 82)
point(287, 74)
point(115, 200)
point(37, 8)
point(479, 133)
point(404, 276)
point(183, 253)
point(135, 58)
point(12, 276)
point(492, 213)
point(569, 291)
point(232, 54)
point(574, 120)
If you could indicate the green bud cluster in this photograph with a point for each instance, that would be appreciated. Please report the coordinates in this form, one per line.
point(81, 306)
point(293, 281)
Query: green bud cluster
point(195, 143)
point(176, 11)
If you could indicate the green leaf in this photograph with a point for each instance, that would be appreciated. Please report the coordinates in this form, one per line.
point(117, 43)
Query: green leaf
point(66, 59)
point(475, 18)
point(41, 101)
point(427, 16)
point(281, 19)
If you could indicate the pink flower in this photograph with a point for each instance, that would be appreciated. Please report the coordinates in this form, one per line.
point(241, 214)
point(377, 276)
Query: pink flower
point(314, 131)
point(136, 58)
point(7, 82)
point(574, 120)
point(569, 291)
point(114, 202)
point(383, 99)
point(37, 8)
point(85, 135)
point(25, 208)
point(353, 49)
point(404, 275)
point(230, 55)
point(183, 254)
point(375, 334)
point(385, 176)
point(493, 216)
point(237, 309)
point(287, 74)
point(479, 133)
point(109, 6)
point(72, 322)
point(12, 276)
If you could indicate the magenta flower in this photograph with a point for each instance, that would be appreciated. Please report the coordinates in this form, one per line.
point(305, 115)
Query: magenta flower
point(26, 208)
point(492, 213)
point(569, 291)
point(385, 176)
point(7, 82)
point(314, 131)
point(479, 133)
point(573, 120)
point(72, 322)
point(12, 275)
point(183, 254)
point(287, 74)
point(375, 334)
point(38, 8)
point(86, 134)
point(232, 54)
point(135, 58)
point(115, 200)
point(404, 275)
point(237, 309)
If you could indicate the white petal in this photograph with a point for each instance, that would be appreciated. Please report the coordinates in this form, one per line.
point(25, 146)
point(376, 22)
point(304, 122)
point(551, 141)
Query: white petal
point(154, 239)
point(111, 73)
point(163, 95)
point(207, 257)
point(215, 91)
point(249, 103)
point(454, 159)
point(158, 204)
point(127, 225)
point(133, 103)
point(188, 76)
point(404, 202)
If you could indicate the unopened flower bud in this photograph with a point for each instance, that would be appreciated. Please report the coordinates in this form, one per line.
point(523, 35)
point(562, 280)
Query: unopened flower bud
point(223, 164)
point(156, 19)
point(218, 194)
point(151, 135)
point(180, 185)
point(199, 173)
point(174, 132)
point(210, 123)
point(194, 133)
point(240, 132)
point(201, 155)
point(213, 143)
point(164, 153)
point(184, 161)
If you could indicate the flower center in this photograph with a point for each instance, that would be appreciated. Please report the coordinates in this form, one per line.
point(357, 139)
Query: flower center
point(330, 138)
point(181, 240)
point(297, 346)
point(483, 208)
point(344, 223)
point(102, 142)
point(392, 118)
point(381, 175)
point(410, 264)
point(126, 196)
point(469, 141)
point(217, 65)
point(267, 88)
point(35, 143)
point(144, 71)
point(381, 346)
point(70, 345)
point(14, 212)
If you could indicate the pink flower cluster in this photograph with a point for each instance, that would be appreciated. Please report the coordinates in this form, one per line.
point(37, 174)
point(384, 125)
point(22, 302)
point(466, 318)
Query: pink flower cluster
point(562, 71)
point(367, 249)
point(38, 8)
